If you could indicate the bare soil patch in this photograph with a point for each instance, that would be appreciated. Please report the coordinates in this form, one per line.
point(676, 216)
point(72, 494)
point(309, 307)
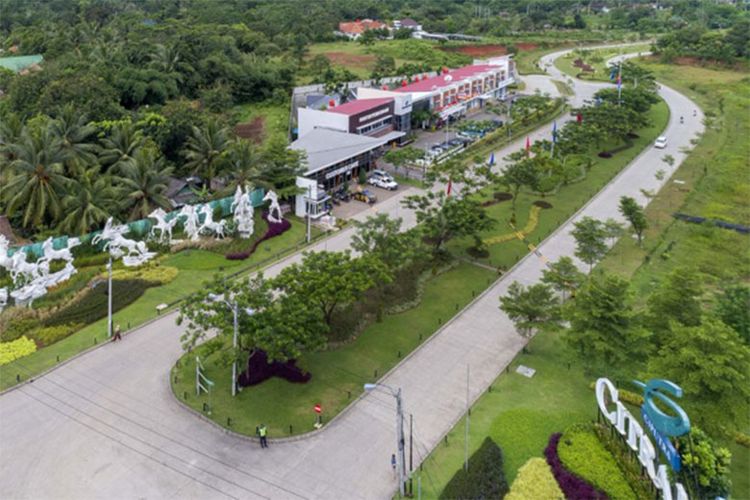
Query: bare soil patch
point(350, 60)
point(254, 130)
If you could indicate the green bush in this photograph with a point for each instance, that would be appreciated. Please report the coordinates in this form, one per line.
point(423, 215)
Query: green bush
point(93, 305)
point(10, 351)
point(18, 328)
point(630, 468)
point(742, 439)
point(485, 478)
point(49, 335)
point(535, 481)
point(583, 454)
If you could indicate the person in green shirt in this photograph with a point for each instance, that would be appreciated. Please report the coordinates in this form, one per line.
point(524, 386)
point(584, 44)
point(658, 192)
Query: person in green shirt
point(263, 432)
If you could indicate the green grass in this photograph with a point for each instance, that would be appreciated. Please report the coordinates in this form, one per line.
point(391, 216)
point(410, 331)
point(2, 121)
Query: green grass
point(519, 413)
point(716, 185)
point(337, 374)
point(195, 267)
point(564, 203)
point(275, 118)
point(596, 59)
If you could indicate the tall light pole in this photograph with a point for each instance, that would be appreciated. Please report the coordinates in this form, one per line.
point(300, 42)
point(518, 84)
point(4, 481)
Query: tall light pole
point(396, 393)
point(109, 298)
point(309, 209)
point(236, 330)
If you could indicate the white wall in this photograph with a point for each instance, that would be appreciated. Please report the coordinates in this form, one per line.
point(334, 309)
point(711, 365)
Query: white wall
point(299, 202)
point(402, 100)
point(308, 119)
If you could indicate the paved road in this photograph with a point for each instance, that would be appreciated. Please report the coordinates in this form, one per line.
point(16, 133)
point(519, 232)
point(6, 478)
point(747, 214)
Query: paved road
point(107, 426)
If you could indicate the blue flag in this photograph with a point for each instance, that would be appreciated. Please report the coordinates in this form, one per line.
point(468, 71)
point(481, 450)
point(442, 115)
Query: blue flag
point(613, 72)
point(554, 131)
point(492, 159)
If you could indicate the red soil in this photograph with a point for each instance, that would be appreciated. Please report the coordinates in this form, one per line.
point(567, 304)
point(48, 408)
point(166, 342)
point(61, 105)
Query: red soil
point(254, 130)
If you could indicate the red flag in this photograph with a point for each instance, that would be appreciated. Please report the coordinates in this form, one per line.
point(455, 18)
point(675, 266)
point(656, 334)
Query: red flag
point(450, 186)
point(528, 145)
point(579, 118)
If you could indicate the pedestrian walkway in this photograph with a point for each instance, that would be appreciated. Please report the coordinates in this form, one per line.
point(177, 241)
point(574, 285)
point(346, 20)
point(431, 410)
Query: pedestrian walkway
point(107, 424)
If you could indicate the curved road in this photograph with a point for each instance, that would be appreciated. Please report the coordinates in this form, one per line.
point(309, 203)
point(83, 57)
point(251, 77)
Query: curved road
point(106, 424)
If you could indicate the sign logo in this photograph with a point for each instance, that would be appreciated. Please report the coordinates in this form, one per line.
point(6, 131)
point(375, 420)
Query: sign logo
point(661, 425)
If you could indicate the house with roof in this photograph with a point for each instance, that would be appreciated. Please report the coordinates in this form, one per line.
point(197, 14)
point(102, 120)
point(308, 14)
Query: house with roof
point(407, 24)
point(354, 29)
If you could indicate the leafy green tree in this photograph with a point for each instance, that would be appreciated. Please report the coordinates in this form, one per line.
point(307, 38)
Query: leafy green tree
point(733, 308)
point(36, 181)
point(77, 138)
point(706, 465)
point(381, 236)
point(280, 167)
point(676, 299)
point(204, 148)
point(442, 217)
point(319, 66)
point(591, 240)
point(521, 172)
point(563, 276)
point(90, 202)
point(328, 280)
point(613, 229)
point(144, 183)
point(384, 66)
point(120, 146)
point(738, 37)
point(403, 156)
point(709, 362)
point(243, 164)
point(633, 212)
point(602, 329)
point(217, 98)
point(531, 308)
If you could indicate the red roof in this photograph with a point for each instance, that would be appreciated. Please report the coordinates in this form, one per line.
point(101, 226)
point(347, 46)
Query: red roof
point(360, 105)
point(450, 78)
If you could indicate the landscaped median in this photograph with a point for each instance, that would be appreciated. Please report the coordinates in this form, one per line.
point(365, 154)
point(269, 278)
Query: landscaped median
point(193, 266)
point(339, 372)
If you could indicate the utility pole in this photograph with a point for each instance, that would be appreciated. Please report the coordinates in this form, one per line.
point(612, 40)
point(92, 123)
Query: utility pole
point(109, 297)
point(309, 209)
point(466, 437)
point(400, 435)
point(411, 454)
point(235, 313)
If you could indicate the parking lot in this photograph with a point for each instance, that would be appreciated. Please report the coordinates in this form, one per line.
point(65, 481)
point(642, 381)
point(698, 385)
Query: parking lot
point(346, 210)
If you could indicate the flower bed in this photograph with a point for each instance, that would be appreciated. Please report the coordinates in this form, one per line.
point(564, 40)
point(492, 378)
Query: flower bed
point(10, 351)
point(572, 486)
point(274, 229)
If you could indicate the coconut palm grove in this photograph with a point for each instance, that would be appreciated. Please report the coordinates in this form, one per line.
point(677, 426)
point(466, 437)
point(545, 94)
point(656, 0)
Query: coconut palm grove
point(375, 249)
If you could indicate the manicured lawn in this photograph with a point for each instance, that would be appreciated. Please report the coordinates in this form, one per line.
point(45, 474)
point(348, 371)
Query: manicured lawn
point(519, 413)
point(716, 185)
point(195, 267)
point(564, 203)
point(596, 59)
point(337, 374)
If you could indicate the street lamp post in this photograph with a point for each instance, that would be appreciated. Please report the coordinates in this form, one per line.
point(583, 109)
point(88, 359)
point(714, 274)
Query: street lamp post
point(236, 330)
point(396, 393)
point(309, 210)
point(109, 298)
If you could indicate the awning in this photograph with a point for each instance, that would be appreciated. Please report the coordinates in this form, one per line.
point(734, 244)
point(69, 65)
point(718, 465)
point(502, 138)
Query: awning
point(391, 136)
point(452, 111)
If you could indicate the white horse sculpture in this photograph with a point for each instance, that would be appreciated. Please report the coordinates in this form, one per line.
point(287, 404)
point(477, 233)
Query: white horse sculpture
point(3, 298)
point(208, 222)
point(192, 221)
point(133, 252)
point(28, 293)
point(22, 271)
point(51, 254)
point(242, 206)
point(274, 210)
point(5, 261)
point(162, 225)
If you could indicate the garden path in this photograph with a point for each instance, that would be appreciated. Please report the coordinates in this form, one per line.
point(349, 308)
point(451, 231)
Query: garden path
point(107, 424)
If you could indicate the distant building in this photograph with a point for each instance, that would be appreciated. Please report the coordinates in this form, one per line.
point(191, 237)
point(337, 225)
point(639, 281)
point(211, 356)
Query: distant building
point(354, 29)
point(407, 24)
point(17, 64)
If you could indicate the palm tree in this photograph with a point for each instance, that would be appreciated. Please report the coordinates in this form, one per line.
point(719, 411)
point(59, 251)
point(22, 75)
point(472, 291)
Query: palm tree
point(204, 148)
point(120, 147)
point(144, 183)
point(36, 181)
point(77, 138)
point(90, 203)
point(243, 164)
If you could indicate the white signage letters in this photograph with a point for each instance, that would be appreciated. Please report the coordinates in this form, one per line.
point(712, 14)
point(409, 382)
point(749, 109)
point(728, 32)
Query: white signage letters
point(637, 440)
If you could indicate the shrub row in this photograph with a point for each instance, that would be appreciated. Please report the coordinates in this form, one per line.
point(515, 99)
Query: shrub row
point(535, 481)
point(583, 454)
point(50, 334)
point(274, 229)
point(624, 395)
point(572, 486)
point(93, 305)
point(10, 351)
point(630, 468)
point(485, 477)
point(152, 273)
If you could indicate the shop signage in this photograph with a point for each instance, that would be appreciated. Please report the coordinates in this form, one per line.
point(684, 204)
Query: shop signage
point(342, 170)
point(374, 114)
point(637, 440)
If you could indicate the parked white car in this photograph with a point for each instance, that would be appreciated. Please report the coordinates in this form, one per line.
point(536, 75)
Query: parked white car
point(383, 182)
point(661, 142)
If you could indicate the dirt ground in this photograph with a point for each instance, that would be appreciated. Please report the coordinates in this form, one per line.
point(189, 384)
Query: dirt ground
point(349, 60)
point(254, 130)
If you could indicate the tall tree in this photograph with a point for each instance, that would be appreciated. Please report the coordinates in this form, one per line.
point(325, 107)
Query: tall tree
point(381, 236)
point(530, 308)
point(120, 146)
point(280, 168)
point(520, 173)
point(36, 182)
point(563, 276)
point(676, 299)
point(144, 183)
point(591, 240)
point(442, 217)
point(243, 164)
point(90, 202)
point(733, 308)
point(77, 138)
point(709, 362)
point(633, 212)
point(330, 280)
point(203, 149)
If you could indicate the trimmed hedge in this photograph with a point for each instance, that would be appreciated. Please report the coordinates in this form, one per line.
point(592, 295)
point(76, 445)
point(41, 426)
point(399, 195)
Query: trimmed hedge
point(485, 478)
point(535, 481)
point(49, 335)
point(572, 486)
point(93, 305)
point(583, 454)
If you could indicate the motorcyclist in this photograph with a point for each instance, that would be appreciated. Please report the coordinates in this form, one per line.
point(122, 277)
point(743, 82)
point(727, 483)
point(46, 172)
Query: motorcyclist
point(682, 120)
